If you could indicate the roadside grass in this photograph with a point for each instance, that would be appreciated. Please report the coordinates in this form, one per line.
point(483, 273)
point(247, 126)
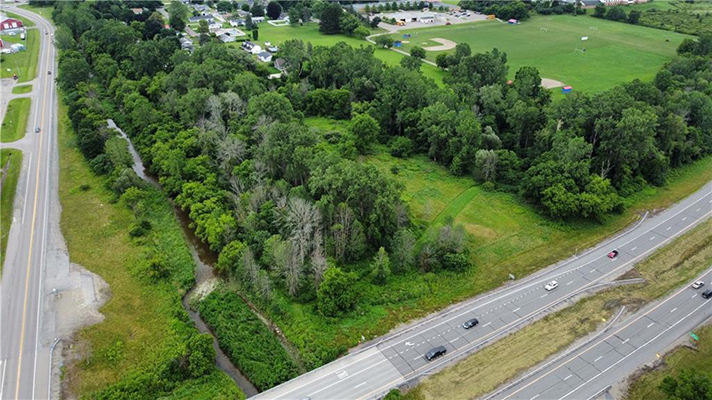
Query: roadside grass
point(145, 325)
point(45, 12)
point(14, 124)
point(667, 269)
point(22, 89)
point(10, 165)
point(616, 52)
point(22, 63)
point(310, 33)
point(647, 386)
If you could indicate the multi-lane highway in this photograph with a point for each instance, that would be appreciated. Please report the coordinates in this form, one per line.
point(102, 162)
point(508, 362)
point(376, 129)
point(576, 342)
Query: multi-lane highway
point(400, 357)
point(586, 372)
point(24, 348)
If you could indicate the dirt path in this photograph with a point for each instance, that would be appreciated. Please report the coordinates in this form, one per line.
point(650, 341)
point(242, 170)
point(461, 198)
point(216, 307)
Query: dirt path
point(445, 44)
point(551, 83)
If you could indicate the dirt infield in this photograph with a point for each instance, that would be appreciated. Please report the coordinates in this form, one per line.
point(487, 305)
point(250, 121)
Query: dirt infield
point(445, 44)
point(550, 83)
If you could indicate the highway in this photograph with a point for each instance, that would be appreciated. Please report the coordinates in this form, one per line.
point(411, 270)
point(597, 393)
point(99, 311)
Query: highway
point(24, 341)
point(397, 358)
point(586, 372)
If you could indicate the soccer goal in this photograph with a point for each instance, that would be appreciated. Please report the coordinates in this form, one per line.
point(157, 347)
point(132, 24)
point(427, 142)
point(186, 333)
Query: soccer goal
point(543, 30)
point(593, 28)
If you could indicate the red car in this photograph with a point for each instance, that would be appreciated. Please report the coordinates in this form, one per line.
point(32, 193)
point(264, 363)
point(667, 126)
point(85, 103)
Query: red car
point(613, 254)
point(447, 23)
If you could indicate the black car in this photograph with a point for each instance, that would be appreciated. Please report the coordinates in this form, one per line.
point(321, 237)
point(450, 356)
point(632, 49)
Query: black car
point(435, 353)
point(707, 294)
point(470, 323)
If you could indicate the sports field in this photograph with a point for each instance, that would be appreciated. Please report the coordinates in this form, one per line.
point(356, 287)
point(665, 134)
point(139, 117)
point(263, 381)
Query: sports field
point(614, 53)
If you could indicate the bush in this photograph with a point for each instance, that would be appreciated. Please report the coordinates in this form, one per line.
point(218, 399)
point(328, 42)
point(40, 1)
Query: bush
point(401, 146)
point(336, 294)
point(249, 344)
point(140, 228)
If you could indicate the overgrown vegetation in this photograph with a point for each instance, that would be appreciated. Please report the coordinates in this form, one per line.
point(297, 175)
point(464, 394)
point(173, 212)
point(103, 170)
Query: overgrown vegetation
point(246, 340)
point(14, 124)
point(667, 269)
point(22, 89)
point(324, 243)
point(10, 165)
point(693, 17)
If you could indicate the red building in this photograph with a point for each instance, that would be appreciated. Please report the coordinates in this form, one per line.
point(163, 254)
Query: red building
point(10, 23)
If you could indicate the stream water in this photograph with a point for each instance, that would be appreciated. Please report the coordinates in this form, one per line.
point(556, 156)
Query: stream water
point(204, 261)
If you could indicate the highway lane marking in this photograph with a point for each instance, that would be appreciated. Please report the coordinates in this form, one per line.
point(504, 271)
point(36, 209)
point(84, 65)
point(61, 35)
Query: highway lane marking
point(455, 339)
point(32, 239)
point(699, 209)
point(673, 310)
point(2, 382)
point(625, 341)
point(668, 228)
point(633, 352)
point(693, 296)
point(517, 309)
point(27, 191)
point(567, 377)
point(686, 217)
point(535, 283)
point(650, 324)
point(633, 249)
point(535, 396)
point(486, 324)
point(360, 384)
point(606, 338)
point(416, 358)
point(652, 238)
point(544, 295)
point(599, 357)
point(569, 283)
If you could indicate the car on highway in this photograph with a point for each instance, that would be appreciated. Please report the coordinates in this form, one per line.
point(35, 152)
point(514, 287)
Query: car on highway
point(470, 323)
point(707, 294)
point(49, 72)
point(37, 130)
point(435, 353)
point(551, 286)
point(613, 254)
point(698, 285)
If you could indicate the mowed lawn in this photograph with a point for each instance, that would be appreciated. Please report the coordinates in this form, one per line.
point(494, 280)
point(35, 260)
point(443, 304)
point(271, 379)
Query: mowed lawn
point(310, 33)
point(10, 164)
point(507, 234)
point(615, 52)
point(14, 123)
point(22, 63)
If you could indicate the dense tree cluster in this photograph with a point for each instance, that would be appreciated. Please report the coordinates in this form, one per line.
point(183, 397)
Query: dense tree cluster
point(502, 9)
point(616, 14)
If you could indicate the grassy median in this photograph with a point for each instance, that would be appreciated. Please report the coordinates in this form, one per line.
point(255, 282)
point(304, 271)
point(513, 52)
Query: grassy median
point(10, 165)
point(22, 89)
point(14, 125)
point(676, 264)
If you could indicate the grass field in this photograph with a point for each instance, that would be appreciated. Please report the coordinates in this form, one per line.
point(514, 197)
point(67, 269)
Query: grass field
point(22, 89)
point(22, 63)
point(145, 325)
point(310, 33)
point(14, 123)
point(673, 266)
point(45, 12)
point(615, 52)
point(12, 160)
point(692, 18)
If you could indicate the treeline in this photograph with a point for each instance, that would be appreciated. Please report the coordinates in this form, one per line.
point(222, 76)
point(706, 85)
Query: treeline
point(502, 9)
point(616, 14)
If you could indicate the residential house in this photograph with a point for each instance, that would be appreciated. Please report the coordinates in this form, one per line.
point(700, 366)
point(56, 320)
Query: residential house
point(247, 46)
point(229, 35)
point(256, 50)
point(186, 43)
point(214, 27)
point(237, 22)
point(257, 20)
point(10, 24)
point(264, 56)
point(201, 8)
point(280, 64)
point(198, 18)
point(272, 49)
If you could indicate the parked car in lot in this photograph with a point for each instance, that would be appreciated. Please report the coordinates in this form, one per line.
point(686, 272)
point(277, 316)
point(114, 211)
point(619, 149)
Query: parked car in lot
point(470, 323)
point(551, 286)
point(435, 353)
point(698, 285)
point(613, 254)
point(707, 294)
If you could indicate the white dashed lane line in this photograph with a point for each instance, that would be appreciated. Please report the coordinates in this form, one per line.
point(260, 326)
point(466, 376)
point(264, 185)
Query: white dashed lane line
point(651, 324)
point(673, 310)
point(633, 249)
point(599, 357)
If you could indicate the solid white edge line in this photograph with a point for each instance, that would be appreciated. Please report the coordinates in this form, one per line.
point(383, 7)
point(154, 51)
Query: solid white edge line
point(2, 382)
point(27, 188)
point(634, 351)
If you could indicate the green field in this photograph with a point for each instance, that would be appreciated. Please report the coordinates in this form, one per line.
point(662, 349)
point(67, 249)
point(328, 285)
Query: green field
point(615, 52)
point(14, 124)
point(678, 16)
point(22, 89)
point(22, 63)
point(10, 164)
point(310, 33)
point(45, 12)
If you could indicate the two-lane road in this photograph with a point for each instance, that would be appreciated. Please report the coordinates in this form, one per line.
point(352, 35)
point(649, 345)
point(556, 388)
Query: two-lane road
point(24, 354)
point(400, 357)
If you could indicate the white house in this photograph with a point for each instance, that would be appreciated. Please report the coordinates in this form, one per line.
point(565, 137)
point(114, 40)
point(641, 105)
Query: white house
point(257, 20)
point(214, 27)
point(229, 35)
point(265, 56)
point(256, 49)
point(426, 19)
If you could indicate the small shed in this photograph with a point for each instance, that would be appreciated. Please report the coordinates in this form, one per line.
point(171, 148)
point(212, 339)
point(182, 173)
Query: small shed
point(566, 89)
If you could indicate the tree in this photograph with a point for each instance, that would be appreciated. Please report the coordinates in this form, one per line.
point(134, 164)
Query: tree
point(417, 52)
point(274, 10)
point(257, 10)
point(411, 63)
point(348, 23)
point(336, 294)
point(486, 165)
point(380, 267)
point(441, 60)
point(361, 32)
point(402, 256)
point(616, 14)
point(255, 33)
point(200, 355)
point(294, 15)
point(224, 6)
point(384, 41)
point(245, 7)
point(374, 22)
point(178, 15)
point(689, 385)
point(229, 260)
point(599, 11)
point(365, 129)
point(329, 23)
point(634, 17)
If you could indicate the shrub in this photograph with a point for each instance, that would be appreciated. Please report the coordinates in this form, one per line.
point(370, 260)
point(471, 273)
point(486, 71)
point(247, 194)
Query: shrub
point(140, 228)
point(401, 146)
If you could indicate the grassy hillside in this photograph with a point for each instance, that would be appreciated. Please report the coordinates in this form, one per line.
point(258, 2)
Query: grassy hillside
point(615, 52)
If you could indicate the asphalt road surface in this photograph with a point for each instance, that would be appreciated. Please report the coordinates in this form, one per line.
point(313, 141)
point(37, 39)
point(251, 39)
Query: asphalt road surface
point(24, 356)
point(588, 371)
point(397, 358)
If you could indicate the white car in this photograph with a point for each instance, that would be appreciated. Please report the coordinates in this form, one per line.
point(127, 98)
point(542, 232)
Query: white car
point(551, 286)
point(698, 285)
